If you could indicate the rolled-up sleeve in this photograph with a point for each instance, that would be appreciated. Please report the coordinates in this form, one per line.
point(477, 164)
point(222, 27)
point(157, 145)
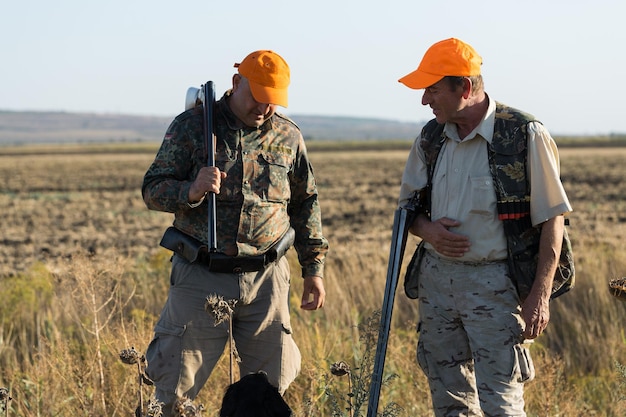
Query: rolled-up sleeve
point(547, 195)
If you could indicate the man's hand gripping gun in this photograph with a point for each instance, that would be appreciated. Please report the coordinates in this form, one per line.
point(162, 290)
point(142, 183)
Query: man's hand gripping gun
point(205, 96)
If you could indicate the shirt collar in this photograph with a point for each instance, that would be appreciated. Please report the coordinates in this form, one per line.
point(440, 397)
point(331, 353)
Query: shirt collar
point(484, 128)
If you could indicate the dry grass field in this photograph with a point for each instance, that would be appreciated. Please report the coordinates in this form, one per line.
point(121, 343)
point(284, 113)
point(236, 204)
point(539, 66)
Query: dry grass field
point(82, 277)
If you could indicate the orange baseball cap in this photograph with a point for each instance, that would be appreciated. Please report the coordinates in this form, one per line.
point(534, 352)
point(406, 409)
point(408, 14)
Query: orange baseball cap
point(450, 57)
point(268, 75)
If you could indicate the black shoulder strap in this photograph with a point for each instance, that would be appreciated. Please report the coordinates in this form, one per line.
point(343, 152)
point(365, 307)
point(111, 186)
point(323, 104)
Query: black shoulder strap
point(432, 139)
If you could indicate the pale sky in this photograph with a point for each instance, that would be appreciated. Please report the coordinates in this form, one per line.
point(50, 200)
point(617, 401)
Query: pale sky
point(562, 60)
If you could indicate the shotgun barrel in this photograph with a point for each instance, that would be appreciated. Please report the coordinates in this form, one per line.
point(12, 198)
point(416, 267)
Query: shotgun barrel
point(403, 217)
point(402, 220)
point(209, 136)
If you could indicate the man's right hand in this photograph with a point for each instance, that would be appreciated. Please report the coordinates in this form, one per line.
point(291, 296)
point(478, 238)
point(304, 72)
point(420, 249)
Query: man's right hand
point(208, 180)
point(437, 233)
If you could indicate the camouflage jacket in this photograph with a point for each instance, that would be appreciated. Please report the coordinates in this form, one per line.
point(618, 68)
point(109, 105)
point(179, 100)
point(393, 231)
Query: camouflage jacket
point(508, 155)
point(269, 185)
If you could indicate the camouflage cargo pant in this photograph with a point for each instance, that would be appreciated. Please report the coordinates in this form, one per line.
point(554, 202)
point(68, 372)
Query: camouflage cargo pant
point(470, 345)
point(187, 344)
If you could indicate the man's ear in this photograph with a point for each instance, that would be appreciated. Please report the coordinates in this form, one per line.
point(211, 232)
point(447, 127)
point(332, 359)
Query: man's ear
point(236, 81)
point(467, 87)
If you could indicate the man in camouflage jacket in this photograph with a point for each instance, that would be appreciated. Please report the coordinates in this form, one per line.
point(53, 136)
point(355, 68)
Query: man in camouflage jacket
point(475, 320)
point(264, 187)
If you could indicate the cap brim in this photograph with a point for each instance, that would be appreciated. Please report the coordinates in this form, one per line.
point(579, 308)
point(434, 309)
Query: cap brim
point(269, 95)
point(419, 79)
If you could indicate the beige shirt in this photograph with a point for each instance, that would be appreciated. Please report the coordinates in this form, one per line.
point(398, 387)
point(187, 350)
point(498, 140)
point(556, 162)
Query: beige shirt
point(463, 186)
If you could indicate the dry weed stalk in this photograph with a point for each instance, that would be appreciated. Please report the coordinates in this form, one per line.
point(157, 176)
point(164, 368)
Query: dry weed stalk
point(222, 311)
point(96, 299)
point(360, 376)
point(617, 286)
point(621, 369)
point(155, 408)
point(133, 357)
point(340, 369)
point(184, 407)
point(5, 398)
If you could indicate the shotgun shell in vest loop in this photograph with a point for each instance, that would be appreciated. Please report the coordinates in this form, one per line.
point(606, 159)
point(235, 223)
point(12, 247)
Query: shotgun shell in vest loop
point(513, 209)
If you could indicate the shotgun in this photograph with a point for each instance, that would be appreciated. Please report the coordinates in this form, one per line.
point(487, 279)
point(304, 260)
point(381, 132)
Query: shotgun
point(205, 96)
point(209, 137)
point(403, 217)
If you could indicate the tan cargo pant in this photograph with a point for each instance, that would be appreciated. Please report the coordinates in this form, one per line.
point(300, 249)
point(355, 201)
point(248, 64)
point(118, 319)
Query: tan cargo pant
point(187, 344)
point(470, 345)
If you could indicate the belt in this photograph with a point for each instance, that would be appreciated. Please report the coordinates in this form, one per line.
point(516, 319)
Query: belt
point(218, 262)
point(454, 261)
point(195, 251)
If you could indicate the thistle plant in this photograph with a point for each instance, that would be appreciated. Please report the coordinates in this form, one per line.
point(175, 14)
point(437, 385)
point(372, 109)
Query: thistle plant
point(133, 357)
point(184, 407)
point(617, 287)
point(341, 369)
point(5, 398)
point(155, 408)
point(222, 311)
point(360, 376)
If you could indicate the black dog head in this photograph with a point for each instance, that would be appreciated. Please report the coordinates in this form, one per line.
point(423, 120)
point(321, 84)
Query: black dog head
point(254, 396)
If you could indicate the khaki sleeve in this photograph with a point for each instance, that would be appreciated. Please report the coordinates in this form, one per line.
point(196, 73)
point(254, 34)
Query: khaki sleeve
point(415, 176)
point(547, 195)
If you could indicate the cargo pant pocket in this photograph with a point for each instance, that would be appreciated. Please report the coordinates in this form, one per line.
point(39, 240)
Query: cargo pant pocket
point(422, 359)
point(164, 356)
point(291, 362)
point(273, 351)
point(524, 366)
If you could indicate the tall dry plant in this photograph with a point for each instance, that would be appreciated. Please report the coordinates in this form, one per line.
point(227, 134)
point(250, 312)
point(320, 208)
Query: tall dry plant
point(184, 407)
point(74, 334)
point(24, 313)
point(617, 288)
point(355, 400)
point(154, 409)
point(340, 369)
point(133, 357)
point(222, 311)
point(94, 299)
point(621, 369)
